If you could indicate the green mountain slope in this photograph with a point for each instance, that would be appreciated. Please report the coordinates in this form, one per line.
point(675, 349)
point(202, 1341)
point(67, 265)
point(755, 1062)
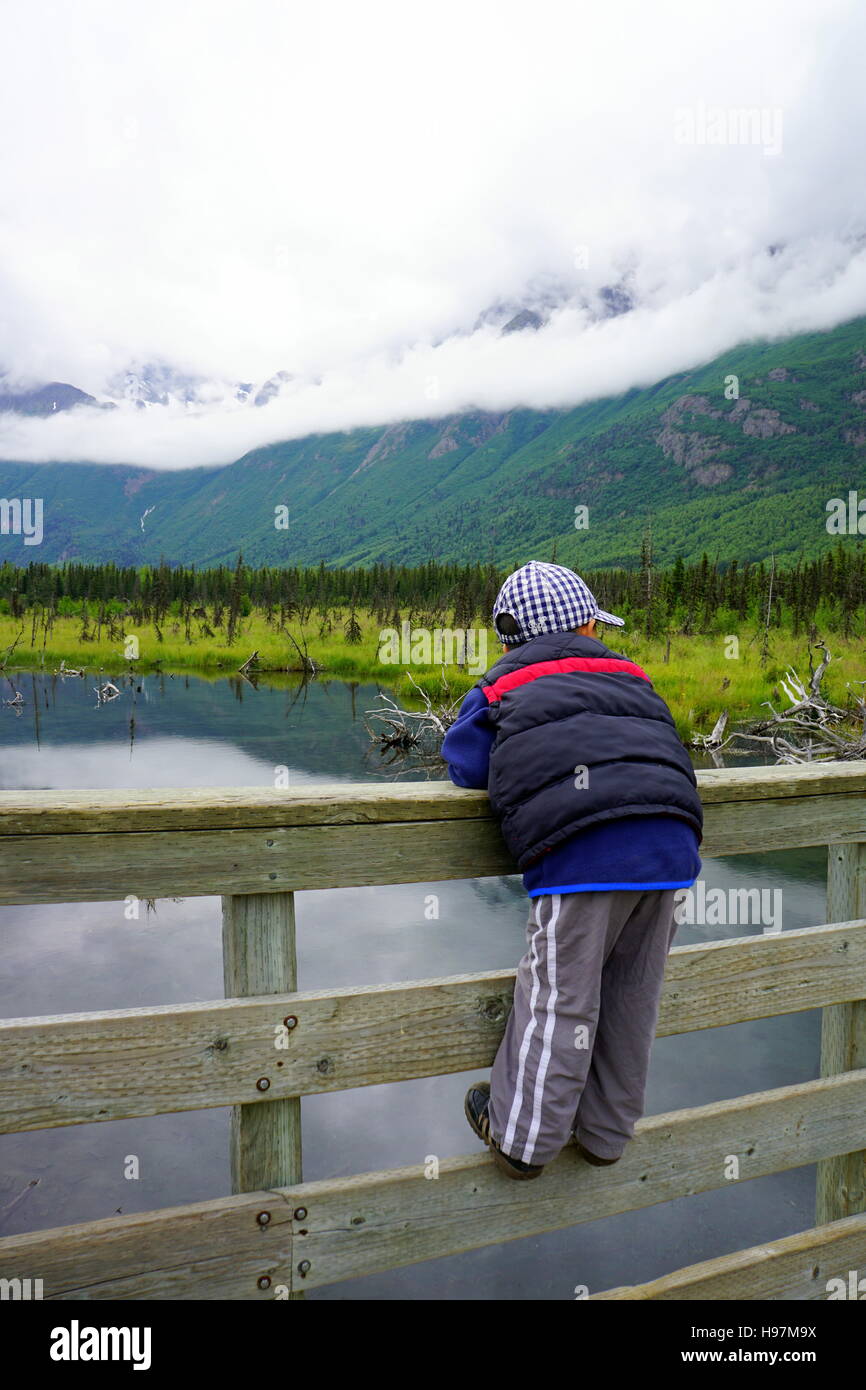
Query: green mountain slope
point(739, 476)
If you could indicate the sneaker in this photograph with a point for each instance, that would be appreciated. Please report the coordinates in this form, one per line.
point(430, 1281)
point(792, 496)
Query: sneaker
point(476, 1105)
point(594, 1159)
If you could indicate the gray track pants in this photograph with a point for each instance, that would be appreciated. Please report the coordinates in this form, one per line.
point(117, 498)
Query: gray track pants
point(575, 1054)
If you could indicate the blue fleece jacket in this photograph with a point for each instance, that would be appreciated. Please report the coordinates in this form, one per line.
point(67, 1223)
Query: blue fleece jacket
point(631, 852)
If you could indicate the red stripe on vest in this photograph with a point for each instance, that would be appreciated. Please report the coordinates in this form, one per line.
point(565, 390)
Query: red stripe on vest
point(552, 668)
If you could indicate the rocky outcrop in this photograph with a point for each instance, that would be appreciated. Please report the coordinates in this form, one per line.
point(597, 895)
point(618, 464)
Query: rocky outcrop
point(689, 405)
point(688, 450)
point(388, 443)
point(526, 318)
point(692, 451)
point(483, 428)
point(713, 473)
point(698, 452)
point(766, 424)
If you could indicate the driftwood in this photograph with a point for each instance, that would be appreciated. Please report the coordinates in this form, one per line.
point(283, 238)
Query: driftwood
point(713, 740)
point(106, 692)
point(417, 732)
point(810, 729)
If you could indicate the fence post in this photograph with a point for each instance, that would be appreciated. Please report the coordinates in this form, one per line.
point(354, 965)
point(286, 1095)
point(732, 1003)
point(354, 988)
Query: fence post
point(259, 958)
point(841, 1182)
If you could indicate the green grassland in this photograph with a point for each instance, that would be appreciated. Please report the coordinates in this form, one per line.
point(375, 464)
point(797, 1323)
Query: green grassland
point(693, 674)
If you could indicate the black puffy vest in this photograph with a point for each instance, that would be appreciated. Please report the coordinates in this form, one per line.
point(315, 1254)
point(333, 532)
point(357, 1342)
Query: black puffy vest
point(560, 703)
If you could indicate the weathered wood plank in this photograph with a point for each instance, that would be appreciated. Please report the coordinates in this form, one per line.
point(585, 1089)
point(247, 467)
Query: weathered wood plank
point(78, 1068)
point(233, 808)
point(97, 868)
point(259, 958)
point(377, 1221)
point(217, 1249)
point(110, 866)
point(118, 810)
point(841, 1181)
point(759, 783)
point(360, 1225)
point(797, 1267)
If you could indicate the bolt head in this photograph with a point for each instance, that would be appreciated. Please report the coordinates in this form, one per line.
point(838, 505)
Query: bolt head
point(264, 1282)
point(263, 1084)
point(304, 1267)
point(290, 1022)
point(300, 1213)
point(263, 1218)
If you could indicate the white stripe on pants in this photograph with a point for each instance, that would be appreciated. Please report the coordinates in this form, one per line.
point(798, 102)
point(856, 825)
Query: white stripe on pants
point(578, 1040)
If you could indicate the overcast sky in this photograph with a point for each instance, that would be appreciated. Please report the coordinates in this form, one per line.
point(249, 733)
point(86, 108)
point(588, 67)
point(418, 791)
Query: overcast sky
point(339, 191)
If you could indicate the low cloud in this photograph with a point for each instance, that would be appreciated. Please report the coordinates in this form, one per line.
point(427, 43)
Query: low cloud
point(344, 197)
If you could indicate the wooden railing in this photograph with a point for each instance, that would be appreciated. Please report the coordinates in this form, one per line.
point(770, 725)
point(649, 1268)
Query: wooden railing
point(267, 1044)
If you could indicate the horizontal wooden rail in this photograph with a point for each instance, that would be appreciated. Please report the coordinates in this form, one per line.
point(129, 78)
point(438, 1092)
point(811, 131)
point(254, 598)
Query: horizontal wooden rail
point(795, 1267)
point(349, 1227)
point(217, 1249)
point(77, 812)
point(103, 846)
point(80, 1068)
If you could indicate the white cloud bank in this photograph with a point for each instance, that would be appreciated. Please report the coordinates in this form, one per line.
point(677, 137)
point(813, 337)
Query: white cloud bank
point(340, 191)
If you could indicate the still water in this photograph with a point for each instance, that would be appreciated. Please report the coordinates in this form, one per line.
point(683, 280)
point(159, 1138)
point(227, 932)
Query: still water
point(189, 732)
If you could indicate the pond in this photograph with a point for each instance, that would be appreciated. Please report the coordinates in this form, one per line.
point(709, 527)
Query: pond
point(189, 731)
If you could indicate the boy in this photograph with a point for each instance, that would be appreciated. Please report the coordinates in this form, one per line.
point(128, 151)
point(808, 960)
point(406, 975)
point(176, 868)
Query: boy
point(598, 804)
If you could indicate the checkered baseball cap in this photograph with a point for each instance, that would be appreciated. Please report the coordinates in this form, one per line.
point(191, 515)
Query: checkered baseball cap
point(546, 598)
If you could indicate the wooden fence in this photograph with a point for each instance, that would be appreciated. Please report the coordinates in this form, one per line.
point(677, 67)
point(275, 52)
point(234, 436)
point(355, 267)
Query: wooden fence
point(277, 1235)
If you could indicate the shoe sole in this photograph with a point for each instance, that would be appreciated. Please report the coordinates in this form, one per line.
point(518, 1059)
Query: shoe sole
point(595, 1159)
point(499, 1158)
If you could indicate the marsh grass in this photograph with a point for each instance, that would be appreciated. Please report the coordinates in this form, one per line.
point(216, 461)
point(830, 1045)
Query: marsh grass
point(697, 680)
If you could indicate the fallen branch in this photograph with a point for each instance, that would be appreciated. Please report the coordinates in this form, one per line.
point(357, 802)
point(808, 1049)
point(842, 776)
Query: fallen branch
point(714, 739)
point(8, 654)
point(416, 731)
point(308, 665)
point(810, 729)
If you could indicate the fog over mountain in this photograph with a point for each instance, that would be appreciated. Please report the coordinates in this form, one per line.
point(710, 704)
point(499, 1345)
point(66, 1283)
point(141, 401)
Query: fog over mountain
point(344, 216)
